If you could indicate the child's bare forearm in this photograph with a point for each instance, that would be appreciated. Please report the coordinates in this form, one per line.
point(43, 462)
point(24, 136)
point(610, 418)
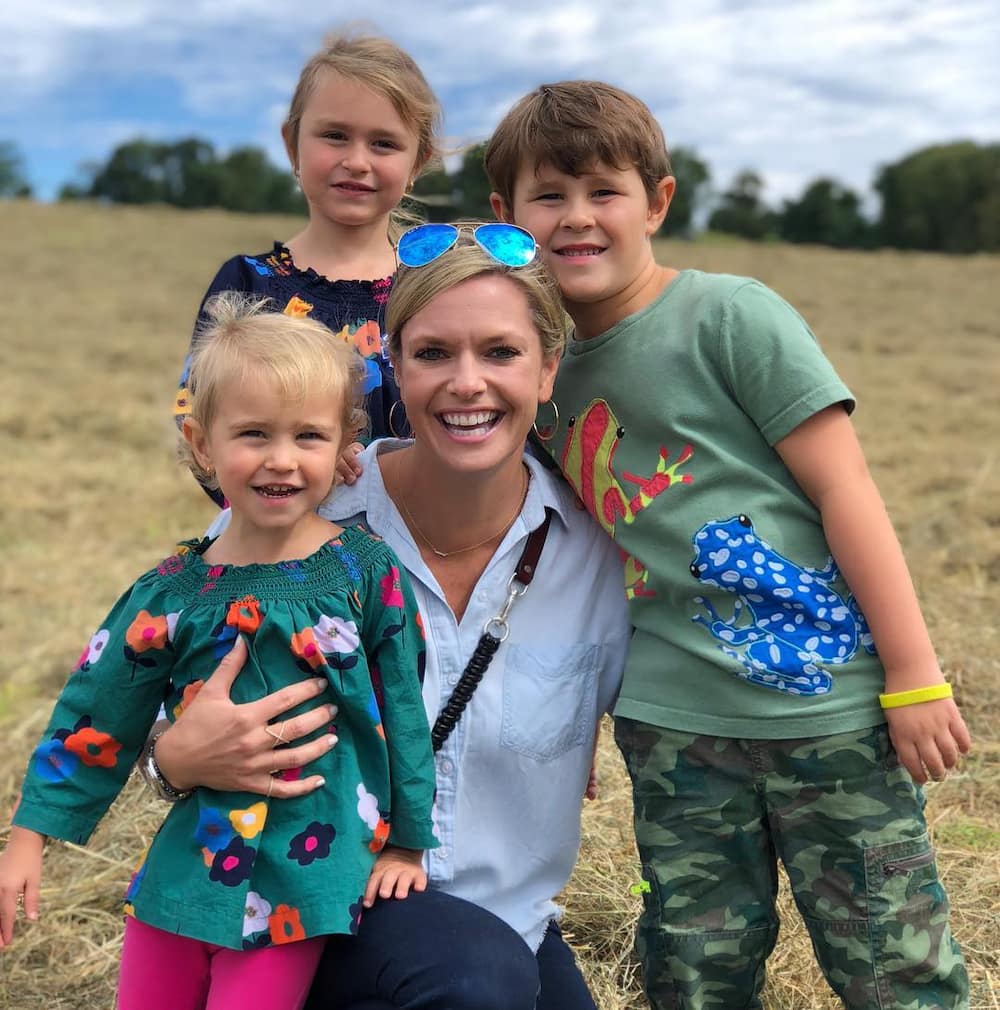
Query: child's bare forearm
point(825, 458)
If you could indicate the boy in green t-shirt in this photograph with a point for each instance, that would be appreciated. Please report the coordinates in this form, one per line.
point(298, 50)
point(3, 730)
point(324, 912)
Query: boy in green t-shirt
point(706, 432)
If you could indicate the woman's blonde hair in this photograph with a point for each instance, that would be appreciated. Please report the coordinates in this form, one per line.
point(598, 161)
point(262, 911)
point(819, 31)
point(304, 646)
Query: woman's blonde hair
point(243, 340)
point(415, 287)
point(382, 66)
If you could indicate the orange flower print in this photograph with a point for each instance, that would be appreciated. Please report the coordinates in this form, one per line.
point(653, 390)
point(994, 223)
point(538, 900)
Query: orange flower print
point(367, 338)
point(244, 614)
point(377, 844)
point(305, 646)
point(147, 632)
point(285, 925)
point(93, 747)
point(187, 696)
point(297, 307)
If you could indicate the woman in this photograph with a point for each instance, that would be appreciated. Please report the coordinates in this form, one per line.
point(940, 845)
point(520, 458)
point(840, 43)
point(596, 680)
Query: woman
point(474, 344)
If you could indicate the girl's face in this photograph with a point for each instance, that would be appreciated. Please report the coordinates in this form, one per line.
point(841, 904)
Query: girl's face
point(471, 374)
point(275, 460)
point(355, 156)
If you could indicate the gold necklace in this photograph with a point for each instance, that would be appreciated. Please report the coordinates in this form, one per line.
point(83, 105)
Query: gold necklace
point(462, 550)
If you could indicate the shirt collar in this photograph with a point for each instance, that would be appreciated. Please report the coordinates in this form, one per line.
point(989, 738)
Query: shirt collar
point(367, 498)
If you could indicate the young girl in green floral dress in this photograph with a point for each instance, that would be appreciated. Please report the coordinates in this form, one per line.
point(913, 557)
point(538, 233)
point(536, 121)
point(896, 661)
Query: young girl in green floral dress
point(232, 901)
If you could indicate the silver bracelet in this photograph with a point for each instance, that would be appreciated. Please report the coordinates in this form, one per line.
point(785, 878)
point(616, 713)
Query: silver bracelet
point(154, 778)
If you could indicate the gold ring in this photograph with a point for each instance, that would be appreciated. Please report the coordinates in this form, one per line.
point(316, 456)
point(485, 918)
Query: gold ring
point(279, 737)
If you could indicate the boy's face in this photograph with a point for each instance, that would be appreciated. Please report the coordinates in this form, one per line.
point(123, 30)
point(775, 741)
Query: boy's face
point(593, 233)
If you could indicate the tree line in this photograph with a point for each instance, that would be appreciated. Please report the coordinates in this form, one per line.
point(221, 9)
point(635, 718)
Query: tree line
point(943, 198)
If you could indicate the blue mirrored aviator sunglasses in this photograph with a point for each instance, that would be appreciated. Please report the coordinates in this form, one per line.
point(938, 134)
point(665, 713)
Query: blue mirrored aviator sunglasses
point(506, 243)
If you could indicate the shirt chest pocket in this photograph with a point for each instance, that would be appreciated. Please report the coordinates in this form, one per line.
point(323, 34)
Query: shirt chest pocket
point(549, 698)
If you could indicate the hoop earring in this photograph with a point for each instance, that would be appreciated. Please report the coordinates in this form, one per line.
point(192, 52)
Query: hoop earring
point(549, 432)
point(406, 421)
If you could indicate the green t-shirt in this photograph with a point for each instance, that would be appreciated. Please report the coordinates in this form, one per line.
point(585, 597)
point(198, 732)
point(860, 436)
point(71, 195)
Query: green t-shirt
point(744, 627)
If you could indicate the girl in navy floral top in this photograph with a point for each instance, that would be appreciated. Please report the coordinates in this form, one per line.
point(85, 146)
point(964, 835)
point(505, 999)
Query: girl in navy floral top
point(362, 124)
point(232, 902)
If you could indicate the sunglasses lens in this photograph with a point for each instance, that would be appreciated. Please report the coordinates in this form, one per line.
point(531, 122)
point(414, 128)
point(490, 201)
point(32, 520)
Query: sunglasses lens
point(512, 246)
point(419, 246)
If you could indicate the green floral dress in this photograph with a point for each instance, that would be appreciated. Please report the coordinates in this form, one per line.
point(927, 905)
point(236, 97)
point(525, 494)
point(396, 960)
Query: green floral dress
point(235, 869)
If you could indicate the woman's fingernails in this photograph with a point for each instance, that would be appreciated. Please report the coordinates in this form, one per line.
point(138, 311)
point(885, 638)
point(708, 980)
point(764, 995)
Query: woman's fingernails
point(333, 710)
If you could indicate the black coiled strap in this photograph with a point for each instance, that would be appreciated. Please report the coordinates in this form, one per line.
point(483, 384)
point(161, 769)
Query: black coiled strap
point(488, 643)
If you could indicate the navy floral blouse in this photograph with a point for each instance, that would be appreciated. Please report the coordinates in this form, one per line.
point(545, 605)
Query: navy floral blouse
point(354, 310)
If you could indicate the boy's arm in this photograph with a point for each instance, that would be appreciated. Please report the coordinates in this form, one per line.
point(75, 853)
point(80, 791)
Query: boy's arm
point(20, 878)
point(825, 458)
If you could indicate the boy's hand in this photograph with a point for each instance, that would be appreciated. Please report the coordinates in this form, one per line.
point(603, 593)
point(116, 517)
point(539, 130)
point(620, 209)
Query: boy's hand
point(348, 468)
point(928, 737)
point(20, 877)
point(395, 872)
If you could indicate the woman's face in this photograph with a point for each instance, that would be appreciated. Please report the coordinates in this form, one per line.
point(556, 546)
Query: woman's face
point(471, 374)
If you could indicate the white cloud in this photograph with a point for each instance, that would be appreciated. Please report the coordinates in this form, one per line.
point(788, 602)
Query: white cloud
point(795, 90)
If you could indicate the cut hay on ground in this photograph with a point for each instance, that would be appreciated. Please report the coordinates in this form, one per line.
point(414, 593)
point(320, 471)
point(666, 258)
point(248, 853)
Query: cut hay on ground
point(96, 325)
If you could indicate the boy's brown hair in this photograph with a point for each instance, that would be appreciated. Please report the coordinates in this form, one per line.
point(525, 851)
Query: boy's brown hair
point(571, 126)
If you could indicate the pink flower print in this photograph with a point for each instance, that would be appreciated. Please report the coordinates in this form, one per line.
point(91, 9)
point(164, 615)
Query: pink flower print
point(392, 593)
point(212, 573)
point(170, 566)
point(333, 634)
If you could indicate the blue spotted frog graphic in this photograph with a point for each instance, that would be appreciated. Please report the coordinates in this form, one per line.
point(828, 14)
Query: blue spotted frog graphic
point(788, 623)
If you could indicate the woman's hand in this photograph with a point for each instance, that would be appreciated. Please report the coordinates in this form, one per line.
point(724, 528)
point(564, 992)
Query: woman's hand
point(395, 872)
point(231, 747)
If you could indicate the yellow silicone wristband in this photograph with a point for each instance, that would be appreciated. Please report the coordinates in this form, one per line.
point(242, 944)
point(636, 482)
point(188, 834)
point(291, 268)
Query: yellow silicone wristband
point(900, 698)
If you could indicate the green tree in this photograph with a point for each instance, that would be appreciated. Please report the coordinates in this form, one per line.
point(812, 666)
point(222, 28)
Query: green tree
point(827, 213)
point(693, 184)
point(472, 186)
point(435, 195)
point(187, 173)
point(13, 181)
point(945, 197)
point(741, 209)
point(132, 174)
point(248, 182)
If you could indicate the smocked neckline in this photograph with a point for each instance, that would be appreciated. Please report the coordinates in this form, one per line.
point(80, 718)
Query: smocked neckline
point(311, 276)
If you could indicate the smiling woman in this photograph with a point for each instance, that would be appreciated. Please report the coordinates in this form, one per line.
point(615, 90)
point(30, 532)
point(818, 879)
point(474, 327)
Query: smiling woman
point(475, 344)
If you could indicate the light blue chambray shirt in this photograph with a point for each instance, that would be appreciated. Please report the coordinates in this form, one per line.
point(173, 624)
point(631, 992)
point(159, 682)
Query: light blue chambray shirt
point(511, 777)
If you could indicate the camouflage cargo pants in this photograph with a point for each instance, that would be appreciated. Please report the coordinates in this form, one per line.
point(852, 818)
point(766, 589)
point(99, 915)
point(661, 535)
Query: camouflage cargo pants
point(711, 816)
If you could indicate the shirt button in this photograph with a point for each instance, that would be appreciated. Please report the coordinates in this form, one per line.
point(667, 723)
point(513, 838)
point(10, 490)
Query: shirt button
point(447, 767)
point(442, 852)
point(453, 679)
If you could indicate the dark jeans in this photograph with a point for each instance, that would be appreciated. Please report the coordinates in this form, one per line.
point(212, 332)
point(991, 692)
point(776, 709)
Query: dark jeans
point(432, 951)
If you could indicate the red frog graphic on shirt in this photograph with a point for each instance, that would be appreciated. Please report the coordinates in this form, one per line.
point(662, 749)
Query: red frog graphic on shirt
point(586, 461)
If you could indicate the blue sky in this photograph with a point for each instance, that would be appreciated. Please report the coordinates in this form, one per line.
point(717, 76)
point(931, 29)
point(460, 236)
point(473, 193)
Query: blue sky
point(793, 88)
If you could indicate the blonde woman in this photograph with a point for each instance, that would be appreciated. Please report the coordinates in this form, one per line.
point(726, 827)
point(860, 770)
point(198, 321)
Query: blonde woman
point(476, 330)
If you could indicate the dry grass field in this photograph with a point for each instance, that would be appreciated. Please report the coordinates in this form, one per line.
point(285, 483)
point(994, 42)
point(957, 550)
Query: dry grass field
point(97, 311)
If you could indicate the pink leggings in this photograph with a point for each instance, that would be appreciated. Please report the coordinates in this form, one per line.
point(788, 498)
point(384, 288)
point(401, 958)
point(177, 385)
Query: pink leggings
point(163, 971)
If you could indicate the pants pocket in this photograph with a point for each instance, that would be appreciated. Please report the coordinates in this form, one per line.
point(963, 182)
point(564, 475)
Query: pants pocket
point(915, 960)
